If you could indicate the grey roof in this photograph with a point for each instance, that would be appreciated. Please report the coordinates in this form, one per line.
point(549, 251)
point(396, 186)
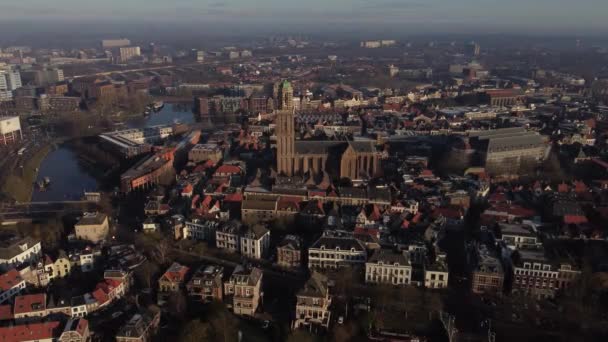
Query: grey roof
point(316, 286)
point(390, 257)
point(256, 231)
point(138, 325)
point(498, 132)
point(11, 248)
point(515, 142)
point(515, 229)
point(91, 219)
point(243, 276)
point(332, 243)
point(291, 242)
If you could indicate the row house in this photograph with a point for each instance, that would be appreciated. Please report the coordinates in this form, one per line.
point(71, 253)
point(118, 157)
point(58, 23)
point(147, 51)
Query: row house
point(201, 230)
point(207, 283)
point(332, 251)
point(489, 275)
point(534, 275)
point(49, 268)
point(313, 303)
point(518, 236)
point(388, 267)
point(228, 236)
point(108, 291)
point(243, 290)
point(436, 273)
point(11, 283)
point(283, 208)
point(17, 252)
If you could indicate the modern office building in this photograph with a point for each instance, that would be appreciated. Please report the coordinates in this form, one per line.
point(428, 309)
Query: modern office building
point(115, 43)
point(128, 53)
point(10, 129)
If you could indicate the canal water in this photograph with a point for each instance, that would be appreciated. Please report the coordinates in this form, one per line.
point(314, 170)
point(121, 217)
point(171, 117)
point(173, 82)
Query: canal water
point(170, 114)
point(68, 177)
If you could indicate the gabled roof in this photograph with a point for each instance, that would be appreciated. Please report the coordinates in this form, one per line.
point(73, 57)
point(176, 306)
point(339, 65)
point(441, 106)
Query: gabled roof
point(175, 273)
point(316, 286)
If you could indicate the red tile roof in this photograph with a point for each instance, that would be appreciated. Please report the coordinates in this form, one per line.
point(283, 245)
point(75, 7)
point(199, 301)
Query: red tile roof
point(188, 189)
point(575, 219)
point(176, 273)
point(29, 303)
point(6, 312)
point(30, 332)
point(9, 280)
point(100, 296)
point(236, 197)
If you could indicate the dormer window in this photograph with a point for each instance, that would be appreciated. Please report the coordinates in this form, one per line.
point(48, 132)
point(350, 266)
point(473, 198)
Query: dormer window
point(338, 249)
point(323, 247)
point(352, 249)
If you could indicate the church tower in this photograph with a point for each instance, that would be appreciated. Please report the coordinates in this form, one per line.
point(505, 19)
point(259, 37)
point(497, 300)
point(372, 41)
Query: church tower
point(285, 130)
point(285, 96)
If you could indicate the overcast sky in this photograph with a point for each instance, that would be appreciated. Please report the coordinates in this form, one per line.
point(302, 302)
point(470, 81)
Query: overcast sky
point(472, 16)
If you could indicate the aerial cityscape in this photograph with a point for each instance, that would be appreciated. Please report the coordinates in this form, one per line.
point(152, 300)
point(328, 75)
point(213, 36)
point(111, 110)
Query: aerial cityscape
point(285, 171)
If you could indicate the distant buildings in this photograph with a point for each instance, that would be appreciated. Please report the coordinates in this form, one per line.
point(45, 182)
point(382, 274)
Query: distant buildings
point(10, 130)
point(115, 43)
point(10, 80)
point(128, 53)
point(375, 44)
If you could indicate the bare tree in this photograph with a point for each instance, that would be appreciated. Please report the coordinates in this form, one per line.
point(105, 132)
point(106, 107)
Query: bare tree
point(161, 252)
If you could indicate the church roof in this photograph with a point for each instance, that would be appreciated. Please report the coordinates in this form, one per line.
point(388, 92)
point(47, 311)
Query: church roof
point(315, 147)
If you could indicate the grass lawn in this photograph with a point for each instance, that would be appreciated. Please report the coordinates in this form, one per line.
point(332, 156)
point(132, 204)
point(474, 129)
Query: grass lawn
point(20, 187)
